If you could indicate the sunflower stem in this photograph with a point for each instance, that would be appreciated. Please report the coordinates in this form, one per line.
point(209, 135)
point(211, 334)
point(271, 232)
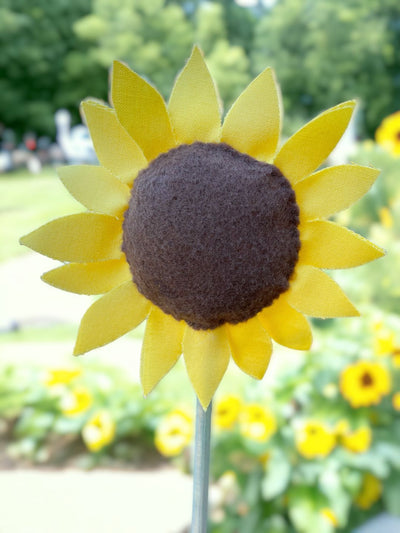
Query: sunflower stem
point(201, 469)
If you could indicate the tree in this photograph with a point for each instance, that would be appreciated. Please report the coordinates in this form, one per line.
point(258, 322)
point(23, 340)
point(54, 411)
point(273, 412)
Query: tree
point(153, 38)
point(327, 51)
point(43, 64)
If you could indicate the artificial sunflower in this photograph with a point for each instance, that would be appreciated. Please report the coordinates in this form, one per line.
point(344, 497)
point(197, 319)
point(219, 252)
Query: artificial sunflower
point(213, 233)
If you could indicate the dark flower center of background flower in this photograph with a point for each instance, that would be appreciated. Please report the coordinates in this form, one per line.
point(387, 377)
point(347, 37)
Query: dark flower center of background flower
point(366, 379)
point(211, 234)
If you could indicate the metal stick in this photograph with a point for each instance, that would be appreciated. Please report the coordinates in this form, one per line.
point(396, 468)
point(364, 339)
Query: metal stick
point(201, 468)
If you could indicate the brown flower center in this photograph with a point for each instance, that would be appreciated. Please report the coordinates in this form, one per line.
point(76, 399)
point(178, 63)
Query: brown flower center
point(211, 234)
point(366, 379)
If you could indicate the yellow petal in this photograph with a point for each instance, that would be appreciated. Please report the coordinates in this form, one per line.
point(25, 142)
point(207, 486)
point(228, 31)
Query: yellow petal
point(162, 346)
point(326, 245)
point(332, 189)
point(89, 278)
point(81, 238)
point(96, 188)
point(193, 106)
point(314, 293)
point(251, 347)
point(142, 111)
point(252, 125)
point(307, 149)
point(286, 325)
point(115, 148)
point(206, 357)
point(110, 317)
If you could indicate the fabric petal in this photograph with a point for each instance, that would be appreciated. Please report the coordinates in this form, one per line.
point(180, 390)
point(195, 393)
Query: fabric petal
point(332, 189)
point(96, 188)
point(251, 347)
point(142, 111)
point(162, 346)
point(307, 149)
point(110, 317)
point(89, 278)
point(286, 325)
point(206, 356)
point(81, 238)
point(115, 148)
point(327, 245)
point(314, 293)
point(252, 125)
point(193, 106)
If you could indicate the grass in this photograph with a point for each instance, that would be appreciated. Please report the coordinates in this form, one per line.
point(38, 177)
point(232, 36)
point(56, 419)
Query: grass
point(28, 201)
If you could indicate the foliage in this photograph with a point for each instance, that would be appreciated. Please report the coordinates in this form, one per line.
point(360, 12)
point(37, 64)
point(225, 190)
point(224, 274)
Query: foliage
point(43, 64)
point(327, 51)
point(324, 51)
point(153, 38)
point(344, 469)
point(89, 414)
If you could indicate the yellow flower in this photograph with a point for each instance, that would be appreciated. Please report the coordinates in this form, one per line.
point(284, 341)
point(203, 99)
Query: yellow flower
point(396, 401)
point(191, 226)
point(328, 513)
point(99, 431)
point(386, 218)
point(257, 422)
point(315, 440)
point(388, 134)
point(365, 383)
point(370, 492)
point(61, 376)
point(174, 433)
point(226, 411)
point(357, 441)
point(76, 401)
point(396, 357)
point(384, 342)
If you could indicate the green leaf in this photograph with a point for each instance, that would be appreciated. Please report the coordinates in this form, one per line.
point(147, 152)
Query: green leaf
point(277, 475)
point(305, 504)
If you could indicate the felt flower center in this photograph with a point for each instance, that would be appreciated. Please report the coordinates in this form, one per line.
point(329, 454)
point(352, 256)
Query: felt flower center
point(211, 234)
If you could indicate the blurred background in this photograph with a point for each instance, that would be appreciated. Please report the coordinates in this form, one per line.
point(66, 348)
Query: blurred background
point(314, 447)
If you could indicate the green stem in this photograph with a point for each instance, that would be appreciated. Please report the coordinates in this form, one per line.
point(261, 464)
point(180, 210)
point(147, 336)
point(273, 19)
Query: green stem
point(201, 468)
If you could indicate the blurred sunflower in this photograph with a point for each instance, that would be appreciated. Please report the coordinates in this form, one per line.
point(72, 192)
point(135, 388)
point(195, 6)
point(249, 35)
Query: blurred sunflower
point(315, 439)
point(174, 433)
point(357, 441)
point(212, 233)
point(257, 422)
point(370, 492)
point(226, 411)
point(396, 401)
point(99, 431)
point(61, 376)
point(365, 383)
point(388, 134)
point(76, 401)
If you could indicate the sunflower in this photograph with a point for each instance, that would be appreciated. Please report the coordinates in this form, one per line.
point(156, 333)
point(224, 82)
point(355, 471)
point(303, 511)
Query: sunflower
point(370, 492)
point(388, 134)
point(315, 439)
point(174, 433)
point(365, 383)
point(257, 422)
point(212, 233)
point(357, 441)
point(226, 411)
